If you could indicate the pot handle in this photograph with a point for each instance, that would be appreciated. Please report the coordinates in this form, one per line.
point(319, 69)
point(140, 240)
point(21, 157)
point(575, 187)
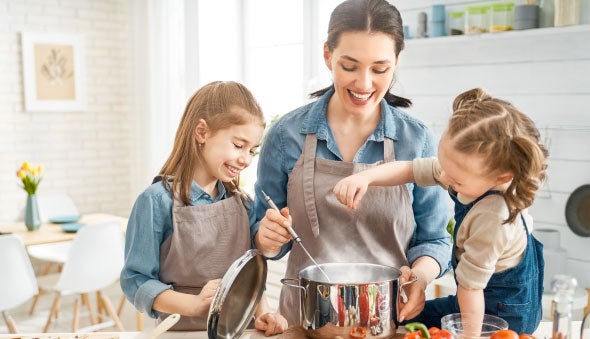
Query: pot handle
point(402, 294)
point(289, 282)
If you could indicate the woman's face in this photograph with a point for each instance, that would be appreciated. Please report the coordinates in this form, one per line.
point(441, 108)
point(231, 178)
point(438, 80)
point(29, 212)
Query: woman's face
point(362, 67)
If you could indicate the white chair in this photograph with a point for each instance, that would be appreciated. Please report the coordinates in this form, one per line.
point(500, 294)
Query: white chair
point(18, 283)
point(51, 206)
point(94, 262)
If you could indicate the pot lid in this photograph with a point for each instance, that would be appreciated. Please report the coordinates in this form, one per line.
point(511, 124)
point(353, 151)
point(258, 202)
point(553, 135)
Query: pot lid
point(577, 211)
point(237, 296)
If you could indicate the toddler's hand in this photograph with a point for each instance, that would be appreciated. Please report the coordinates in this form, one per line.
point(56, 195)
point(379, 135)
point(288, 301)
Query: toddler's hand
point(271, 323)
point(350, 190)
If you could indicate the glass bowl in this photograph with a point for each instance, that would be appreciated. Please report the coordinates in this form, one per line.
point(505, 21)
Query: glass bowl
point(457, 322)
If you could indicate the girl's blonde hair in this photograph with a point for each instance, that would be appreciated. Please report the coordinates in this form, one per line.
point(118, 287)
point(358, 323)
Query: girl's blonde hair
point(506, 138)
point(221, 104)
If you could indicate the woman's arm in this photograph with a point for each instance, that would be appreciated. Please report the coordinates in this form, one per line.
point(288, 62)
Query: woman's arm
point(269, 234)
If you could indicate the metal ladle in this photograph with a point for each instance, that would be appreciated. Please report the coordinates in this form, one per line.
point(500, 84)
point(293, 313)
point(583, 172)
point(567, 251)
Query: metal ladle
point(294, 235)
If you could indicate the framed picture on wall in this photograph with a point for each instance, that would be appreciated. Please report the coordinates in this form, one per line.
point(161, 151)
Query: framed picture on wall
point(54, 72)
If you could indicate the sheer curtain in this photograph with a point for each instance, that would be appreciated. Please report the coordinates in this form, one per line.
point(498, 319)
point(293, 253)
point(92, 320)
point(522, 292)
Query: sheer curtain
point(159, 84)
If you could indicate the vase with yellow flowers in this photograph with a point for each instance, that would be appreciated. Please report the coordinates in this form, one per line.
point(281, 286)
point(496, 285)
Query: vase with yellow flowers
point(31, 177)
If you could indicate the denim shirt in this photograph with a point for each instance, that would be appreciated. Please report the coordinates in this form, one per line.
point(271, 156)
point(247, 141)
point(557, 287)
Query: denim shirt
point(149, 225)
point(283, 145)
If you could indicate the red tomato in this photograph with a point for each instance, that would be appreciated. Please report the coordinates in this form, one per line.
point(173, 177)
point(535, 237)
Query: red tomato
point(358, 332)
point(413, 335)
point(526, 336)
point(505, 334)
point(433, 330)
point(441, 334)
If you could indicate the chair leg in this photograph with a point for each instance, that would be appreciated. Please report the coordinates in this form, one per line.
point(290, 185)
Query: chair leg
point(9, 322)
point(86, 301)
point(99, 307)
point(111, 311)
point(76, 319)
point(139, 320)
point(54, 308)
point(34, 303)
point(121, 304)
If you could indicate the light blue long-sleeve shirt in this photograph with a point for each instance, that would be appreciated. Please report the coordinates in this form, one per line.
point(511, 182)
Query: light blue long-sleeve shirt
point(283, 145)
point(149, 225)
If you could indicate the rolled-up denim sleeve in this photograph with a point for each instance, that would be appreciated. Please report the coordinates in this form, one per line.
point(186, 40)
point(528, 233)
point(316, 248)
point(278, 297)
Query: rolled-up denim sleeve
point(272, 178)
point(139, 277)
point(431, 213)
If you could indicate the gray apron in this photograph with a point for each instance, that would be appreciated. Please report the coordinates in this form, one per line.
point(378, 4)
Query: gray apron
point(206, 240)
point(379, 232)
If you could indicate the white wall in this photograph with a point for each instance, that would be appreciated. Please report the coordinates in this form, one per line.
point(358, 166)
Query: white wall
point(545, 72)
point(85, 154)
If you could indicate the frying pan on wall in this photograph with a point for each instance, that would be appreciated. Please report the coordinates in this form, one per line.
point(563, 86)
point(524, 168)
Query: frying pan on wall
point(577, 211)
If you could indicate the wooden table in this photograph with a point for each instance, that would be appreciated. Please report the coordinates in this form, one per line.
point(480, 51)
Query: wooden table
point(50, 232)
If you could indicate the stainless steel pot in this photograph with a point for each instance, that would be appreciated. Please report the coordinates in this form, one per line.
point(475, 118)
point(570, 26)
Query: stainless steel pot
point(357, 294)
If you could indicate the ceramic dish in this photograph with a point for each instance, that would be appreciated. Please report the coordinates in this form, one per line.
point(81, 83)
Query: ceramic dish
point(64, 219)
point(577, 211)
point(71, 227)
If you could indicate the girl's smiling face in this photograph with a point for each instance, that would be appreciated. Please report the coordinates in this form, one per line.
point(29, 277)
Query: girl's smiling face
point(227, 152)
point(362, 66)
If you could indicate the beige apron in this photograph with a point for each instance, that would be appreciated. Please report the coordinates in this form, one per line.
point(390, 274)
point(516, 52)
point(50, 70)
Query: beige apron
point(378, 232)
point(206, 240)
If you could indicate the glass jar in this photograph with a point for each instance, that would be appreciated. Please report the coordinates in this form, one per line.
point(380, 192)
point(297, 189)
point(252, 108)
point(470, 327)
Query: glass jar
point(476, 20)
point(501, 16)
point(456, 23)
point(567, 12)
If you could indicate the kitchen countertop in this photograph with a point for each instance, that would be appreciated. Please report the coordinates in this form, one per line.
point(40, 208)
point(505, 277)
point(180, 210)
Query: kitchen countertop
point(543, 332)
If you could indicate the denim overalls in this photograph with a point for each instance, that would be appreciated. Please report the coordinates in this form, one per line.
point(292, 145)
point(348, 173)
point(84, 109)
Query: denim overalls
point(514, 294)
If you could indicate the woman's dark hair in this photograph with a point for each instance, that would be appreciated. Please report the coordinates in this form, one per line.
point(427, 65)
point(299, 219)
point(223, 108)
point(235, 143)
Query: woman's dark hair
point(367, 16)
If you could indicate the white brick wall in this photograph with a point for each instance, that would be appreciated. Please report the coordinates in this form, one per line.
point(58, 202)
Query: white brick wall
point(85, 154)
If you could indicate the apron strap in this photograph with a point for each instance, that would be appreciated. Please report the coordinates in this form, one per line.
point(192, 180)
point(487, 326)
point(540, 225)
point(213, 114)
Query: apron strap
point(388, 150)
point(309, 155)
point(309, 150)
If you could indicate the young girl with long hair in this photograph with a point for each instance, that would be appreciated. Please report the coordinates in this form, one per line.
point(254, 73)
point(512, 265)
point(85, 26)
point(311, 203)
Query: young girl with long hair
point(491, 161)
point(193, 222)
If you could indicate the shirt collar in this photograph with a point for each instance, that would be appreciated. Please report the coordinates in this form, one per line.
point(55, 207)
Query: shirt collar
point(316, 121)
point(198, 193)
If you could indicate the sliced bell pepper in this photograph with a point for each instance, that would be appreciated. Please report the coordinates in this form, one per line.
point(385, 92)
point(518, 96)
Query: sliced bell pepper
point(416, 326)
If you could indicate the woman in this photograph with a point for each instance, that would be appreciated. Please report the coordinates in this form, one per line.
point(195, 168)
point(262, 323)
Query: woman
point(355, 124)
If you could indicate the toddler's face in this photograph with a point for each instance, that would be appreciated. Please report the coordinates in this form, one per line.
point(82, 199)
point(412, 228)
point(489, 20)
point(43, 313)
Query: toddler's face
point(465, 173)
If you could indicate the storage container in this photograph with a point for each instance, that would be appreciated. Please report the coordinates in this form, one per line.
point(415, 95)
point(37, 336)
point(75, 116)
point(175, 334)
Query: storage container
point(567, 12)
point(501, 16)
point(456, 23)
point(476, 20)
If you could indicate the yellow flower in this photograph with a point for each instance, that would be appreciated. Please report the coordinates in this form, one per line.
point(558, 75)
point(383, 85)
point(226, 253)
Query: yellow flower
point(30, 177)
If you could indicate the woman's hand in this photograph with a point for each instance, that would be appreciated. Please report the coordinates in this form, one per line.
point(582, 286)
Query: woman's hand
point(350, 190)
point(273, 233)
point(416, 295)
point(271, 323)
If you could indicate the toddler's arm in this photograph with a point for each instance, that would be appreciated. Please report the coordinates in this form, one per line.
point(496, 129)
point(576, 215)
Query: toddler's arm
point(471, 304)
point(350, 190)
